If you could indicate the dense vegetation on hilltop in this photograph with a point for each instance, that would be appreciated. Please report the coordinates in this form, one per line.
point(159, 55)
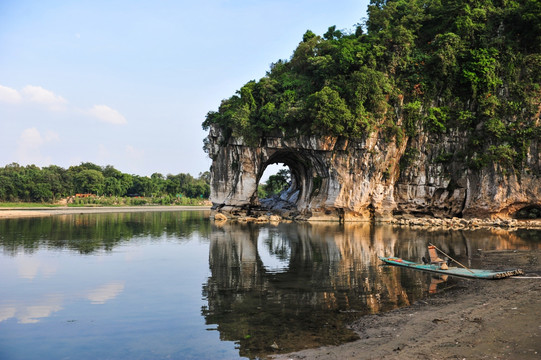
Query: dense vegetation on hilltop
point(415, 66)
point(33, 184)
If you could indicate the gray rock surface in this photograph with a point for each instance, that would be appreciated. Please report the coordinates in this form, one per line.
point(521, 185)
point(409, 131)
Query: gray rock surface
point(336, 179)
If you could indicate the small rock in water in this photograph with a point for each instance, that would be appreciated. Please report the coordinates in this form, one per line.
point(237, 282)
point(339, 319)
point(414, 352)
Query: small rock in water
point(220, 217)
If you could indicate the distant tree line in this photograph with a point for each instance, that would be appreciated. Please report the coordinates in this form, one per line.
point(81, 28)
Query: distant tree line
point(48, 184)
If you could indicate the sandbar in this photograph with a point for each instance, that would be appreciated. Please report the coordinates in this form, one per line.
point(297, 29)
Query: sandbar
point(64, 210)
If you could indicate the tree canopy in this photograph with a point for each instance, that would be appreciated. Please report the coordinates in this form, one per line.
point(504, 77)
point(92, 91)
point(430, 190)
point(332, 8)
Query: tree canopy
point(33, 184)
point(437, 65)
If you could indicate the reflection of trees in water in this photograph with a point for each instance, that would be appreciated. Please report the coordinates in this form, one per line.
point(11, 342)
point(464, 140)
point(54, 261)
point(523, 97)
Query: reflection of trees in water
point(87, 233)
point(332, 275)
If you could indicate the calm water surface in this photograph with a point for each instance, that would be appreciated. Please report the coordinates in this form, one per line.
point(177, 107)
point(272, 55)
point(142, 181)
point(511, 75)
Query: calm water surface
point(172, 285)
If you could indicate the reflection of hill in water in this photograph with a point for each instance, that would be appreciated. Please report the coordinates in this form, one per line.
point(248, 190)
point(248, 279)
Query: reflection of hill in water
point(87, 233)
point(323, 276)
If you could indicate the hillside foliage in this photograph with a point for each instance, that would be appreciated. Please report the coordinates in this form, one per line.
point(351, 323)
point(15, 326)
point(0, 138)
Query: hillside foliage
point(430, 66)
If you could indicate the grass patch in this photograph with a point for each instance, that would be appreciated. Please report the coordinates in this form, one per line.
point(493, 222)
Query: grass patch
point(26, 205)
point(95, 201)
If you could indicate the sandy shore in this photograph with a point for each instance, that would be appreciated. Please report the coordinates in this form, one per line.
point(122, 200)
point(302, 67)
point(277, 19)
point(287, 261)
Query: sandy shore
point(479, 319)
point(48, 211)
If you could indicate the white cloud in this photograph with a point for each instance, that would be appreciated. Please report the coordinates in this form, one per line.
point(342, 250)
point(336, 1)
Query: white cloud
point(105, 114)
point(41, 96)
point(31, 139)
point(106, 292)
point(7, 312)
point(35, 313)
point(30, 143)
point(54, 102)
point(10, 95)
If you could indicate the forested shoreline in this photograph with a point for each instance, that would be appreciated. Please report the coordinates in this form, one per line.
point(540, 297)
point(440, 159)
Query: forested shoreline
point(51, 183)
point(88, 184)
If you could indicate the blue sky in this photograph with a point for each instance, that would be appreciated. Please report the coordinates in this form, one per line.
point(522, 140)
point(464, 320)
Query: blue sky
point(128, 83)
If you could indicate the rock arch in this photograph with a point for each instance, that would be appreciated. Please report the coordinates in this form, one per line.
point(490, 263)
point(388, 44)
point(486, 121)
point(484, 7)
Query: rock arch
point(342, 179)
point(332, 178)
point(304, 169)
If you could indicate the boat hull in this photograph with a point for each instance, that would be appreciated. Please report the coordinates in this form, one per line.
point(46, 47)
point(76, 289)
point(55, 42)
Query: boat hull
point(453, 271)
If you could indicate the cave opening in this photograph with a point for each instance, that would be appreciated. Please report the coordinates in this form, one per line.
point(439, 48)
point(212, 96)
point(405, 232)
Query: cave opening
point(277, 188)
point(529, 212)
point(280, 181)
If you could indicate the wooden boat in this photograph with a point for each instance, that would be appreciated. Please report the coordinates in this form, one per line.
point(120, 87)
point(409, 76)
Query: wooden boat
point(453, 271)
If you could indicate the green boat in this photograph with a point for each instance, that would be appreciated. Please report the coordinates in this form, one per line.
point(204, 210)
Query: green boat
point(453, 271)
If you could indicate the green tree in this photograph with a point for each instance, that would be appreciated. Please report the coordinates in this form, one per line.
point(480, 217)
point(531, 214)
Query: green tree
point(112, 187)
point(141, 186)
point(8, 190)
point(480, 71)
point(60, 182)
point(277, 183)
point(158, 184)
point(89, 182)
point(41, 192)
point(329, 113)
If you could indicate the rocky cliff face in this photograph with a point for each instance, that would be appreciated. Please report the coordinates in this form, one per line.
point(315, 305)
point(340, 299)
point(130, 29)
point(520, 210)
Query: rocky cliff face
point(377, 177)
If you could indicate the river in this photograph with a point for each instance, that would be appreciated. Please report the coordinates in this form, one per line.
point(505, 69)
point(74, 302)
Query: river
point(173, 285)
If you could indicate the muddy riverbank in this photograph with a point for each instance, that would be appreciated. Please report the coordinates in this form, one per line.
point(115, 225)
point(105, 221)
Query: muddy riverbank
point(477, 319)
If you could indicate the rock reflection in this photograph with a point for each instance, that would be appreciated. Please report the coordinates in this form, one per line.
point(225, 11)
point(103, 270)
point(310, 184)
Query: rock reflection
point(331, 276)
point(435, 281)
point(321, 277)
